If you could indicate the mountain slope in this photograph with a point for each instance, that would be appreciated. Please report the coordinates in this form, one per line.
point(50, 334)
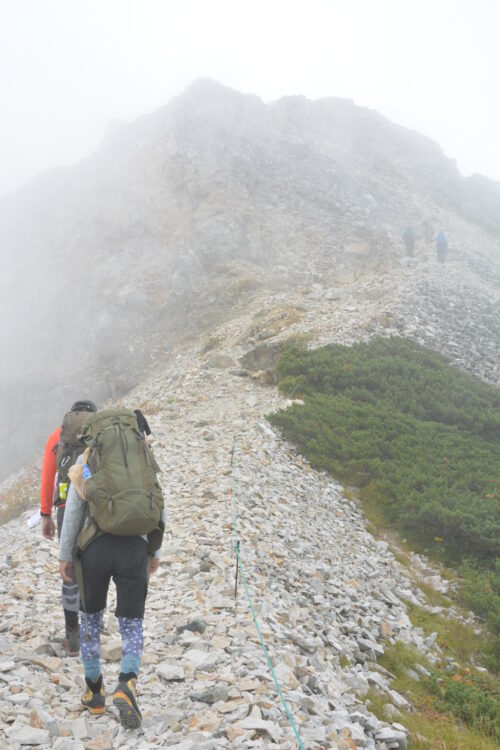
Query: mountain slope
point(329, 597)
point(179, 217)
point(327, 594)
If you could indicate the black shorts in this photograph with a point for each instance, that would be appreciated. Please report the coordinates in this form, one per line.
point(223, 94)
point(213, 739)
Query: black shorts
point(125, 559)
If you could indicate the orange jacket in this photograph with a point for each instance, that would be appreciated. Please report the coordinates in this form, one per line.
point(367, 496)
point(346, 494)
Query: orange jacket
point(49, 469)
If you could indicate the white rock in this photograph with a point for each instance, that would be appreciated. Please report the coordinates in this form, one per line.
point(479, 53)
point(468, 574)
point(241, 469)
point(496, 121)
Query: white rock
point(26, 735)
point(63, 743)
point(170, 672)
point(285, 676)
point(398, 700)
point(203, 660)
point(80, 729)
point(273, 730)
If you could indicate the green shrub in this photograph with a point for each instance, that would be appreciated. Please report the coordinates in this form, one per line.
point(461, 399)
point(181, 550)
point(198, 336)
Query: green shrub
point(420, 438)
point(481, 593)
point(475, 699)
point(452, 711)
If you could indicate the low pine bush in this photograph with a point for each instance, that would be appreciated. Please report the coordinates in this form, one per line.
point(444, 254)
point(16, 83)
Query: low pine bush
point(418, 436)
point(475, 699)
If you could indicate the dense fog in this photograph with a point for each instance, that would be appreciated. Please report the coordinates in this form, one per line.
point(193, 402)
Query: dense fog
point(177, 217)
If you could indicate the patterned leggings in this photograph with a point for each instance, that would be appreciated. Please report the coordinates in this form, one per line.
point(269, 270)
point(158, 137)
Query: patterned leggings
point(132, 644)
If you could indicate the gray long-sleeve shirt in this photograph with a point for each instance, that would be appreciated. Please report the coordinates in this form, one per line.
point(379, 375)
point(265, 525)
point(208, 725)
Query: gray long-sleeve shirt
point(75, 519)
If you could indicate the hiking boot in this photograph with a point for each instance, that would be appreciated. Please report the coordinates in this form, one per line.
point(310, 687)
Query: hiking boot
point(125, 702)
point(72, 641)
point(94, 699)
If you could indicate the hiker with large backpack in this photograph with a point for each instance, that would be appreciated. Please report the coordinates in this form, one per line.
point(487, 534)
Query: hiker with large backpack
point(61, 451)
point(114, 527)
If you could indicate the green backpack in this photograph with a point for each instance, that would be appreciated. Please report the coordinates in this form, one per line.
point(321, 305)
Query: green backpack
point(124, 497)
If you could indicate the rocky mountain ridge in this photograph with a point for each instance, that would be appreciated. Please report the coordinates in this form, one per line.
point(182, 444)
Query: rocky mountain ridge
point(328, 595)
point(192, 266)
point(180, 217)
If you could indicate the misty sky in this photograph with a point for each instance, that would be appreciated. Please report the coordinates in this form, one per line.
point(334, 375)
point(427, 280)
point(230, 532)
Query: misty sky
point(67, 67)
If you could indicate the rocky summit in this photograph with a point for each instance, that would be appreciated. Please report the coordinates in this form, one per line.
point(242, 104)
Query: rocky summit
point(327, 595)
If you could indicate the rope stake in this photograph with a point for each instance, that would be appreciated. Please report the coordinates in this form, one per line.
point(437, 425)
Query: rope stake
point(239, 565)
point(236, 573)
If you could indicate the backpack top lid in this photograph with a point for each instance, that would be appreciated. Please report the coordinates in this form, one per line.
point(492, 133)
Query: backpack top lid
point(104, 419)
point(84, 405)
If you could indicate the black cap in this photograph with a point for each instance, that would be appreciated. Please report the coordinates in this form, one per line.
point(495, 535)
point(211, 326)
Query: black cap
point(84, 406)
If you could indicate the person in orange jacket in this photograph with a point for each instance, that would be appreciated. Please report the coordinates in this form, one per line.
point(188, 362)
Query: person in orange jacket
point(50, 497)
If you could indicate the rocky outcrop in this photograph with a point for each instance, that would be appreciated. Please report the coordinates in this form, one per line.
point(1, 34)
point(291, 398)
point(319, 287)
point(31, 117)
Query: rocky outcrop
point(180, 218)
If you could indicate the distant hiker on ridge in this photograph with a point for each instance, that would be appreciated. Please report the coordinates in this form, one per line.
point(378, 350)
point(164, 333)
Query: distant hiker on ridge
point(441, 247)
point(409, 238)
point(61, 451)
point(114, 527)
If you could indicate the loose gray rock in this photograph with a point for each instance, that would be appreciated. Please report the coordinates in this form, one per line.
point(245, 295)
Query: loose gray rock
point(212, 695)
point(26, 735)
point(171, 672)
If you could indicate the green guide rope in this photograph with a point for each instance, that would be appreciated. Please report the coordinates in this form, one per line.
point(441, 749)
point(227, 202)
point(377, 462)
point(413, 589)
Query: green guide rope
point(254, 617)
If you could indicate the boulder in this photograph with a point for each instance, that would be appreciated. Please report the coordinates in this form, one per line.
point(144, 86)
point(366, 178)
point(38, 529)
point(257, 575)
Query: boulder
point(220, 361)
point(264, 356)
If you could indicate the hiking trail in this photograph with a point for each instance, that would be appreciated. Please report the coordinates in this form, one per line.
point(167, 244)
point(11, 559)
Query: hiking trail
point(327, 594)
